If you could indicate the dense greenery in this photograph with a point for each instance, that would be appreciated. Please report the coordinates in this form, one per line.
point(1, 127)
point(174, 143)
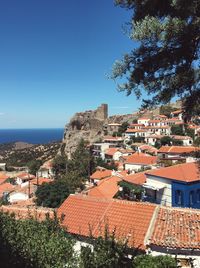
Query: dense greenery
point(53, 194)
point(102, 163)
point(165, 63)
point(177, 130)
point(29, 243)
point(166, 110)
point(34, 166)
point(70, 176)
point(129, 191)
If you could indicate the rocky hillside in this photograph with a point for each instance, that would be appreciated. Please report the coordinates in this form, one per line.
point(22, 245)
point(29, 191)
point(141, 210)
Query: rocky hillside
point(91, 125)
point(20, 153)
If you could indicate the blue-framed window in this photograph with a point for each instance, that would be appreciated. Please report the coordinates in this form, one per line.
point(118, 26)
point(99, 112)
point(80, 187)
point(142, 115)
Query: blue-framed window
point(191, 198)
point(179, 197)
point(198, 196)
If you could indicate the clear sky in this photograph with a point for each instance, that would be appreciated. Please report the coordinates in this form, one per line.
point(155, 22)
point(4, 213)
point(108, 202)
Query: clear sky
point(54, 57)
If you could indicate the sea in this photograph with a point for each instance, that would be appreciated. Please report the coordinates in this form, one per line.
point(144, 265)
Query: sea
point(33, 136)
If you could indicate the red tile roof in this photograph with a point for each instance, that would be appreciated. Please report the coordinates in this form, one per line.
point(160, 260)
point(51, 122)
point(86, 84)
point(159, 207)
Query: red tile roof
point(85, 215)
point(101, 174)
point(111, 151)
point(107, 188)
point(40, 181)
point(137, 178)
point(38, 213)
point(187, 172)
point(133, 130)
point(140, 158)
point(177, 228)
point(178, 149)
point(6, 187)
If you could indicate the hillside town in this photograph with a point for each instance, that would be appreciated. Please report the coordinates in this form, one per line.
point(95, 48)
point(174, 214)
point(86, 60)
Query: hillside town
point(151, 197)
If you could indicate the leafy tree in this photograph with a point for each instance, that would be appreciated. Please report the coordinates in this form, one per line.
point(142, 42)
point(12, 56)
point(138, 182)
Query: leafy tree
point(60, 164)
point(107, 253)
point(197, 142)
point(101, 163)
point(177, 130)
point(165, 63)
point(34, 165)
point(123, 127)
point(166, 110)
point(177, 142)
point(149, 261)
point(166, 140)
point(30, 243)
point(52, 194)
point(82, 161)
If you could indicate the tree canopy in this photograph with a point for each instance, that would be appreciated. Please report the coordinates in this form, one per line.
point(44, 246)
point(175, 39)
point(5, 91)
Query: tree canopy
point(165, 62)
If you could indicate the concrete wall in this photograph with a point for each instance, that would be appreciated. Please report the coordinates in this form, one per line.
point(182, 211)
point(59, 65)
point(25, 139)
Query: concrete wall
point(164, 196)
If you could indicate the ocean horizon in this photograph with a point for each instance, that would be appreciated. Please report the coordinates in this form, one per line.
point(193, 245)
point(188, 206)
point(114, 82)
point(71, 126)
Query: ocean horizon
point(31, 135)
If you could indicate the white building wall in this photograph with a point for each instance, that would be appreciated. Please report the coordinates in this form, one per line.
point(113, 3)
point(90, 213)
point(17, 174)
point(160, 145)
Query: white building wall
point(163, 197)
point(14, 197)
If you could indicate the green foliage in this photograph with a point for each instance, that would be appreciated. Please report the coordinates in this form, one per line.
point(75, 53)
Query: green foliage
point(82, 162)
point(166, 61)
point(166, 110)
point(130, 191)
point(101, 163)
point(177, 130)
point(123, 127)
point(60, 164)
point(70, 176)
point(137, 139)
point(197, 142)
point(177, 142)
point(154, 262)
point(107, 253)
point(53, 194)
point(166, 140)
point(29, 243)
point(34, 166)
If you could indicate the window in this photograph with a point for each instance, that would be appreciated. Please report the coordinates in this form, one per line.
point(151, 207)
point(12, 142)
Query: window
point(179, 197)
point(198, 196)
point(191, 198)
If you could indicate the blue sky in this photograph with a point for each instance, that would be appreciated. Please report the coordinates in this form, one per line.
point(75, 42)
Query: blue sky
point(54, 57)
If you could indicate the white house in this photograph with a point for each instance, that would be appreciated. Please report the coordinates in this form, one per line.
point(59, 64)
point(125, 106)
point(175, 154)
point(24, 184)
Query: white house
point(143, 121)
point(17, 196)
point(138, 161)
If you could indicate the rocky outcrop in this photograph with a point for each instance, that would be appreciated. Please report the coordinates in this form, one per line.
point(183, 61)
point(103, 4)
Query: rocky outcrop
point(87, 125)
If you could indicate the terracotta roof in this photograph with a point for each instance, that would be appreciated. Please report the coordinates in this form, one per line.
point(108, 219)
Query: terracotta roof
point(111, 151)
point(25, 176)
point(148, 148)
point(3, 177)
point(40, 181)
point(178, 149)
point(137, 178)
point(111, 138)
point(107, 188)
point(24, 212)
point(177, 112)
point(136, 125)
point(133, 130)
point(178, 137)
point(157, 127)
point(177, 228)
point(6, 187)
point(140, 158)
point(187, 172)
point(101, 174)
point(85, 215)
point(154, 121)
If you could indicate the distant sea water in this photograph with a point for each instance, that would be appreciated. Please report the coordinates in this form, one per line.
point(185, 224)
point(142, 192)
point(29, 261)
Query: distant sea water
point(34, 136)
